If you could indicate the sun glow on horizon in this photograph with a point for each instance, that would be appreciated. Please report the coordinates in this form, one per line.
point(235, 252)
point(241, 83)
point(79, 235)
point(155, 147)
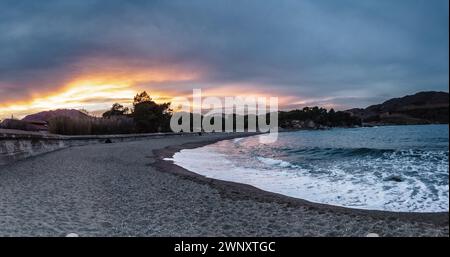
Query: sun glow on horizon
point(94, 92)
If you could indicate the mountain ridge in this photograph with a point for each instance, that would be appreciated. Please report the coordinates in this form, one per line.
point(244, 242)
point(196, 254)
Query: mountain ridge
point(426, 107)
point(47, 115)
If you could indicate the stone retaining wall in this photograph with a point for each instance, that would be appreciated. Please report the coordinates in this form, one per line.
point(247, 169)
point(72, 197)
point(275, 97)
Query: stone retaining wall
point(16, 145)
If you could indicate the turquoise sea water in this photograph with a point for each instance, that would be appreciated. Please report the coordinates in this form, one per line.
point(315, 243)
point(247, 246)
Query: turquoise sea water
point(394, 168)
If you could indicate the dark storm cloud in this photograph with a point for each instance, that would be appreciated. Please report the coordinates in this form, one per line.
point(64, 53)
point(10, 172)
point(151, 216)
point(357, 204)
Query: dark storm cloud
point(356, 49)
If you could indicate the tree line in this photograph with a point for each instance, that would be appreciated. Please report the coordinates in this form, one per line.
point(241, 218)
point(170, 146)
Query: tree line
point(147, 116)
point(317, 118)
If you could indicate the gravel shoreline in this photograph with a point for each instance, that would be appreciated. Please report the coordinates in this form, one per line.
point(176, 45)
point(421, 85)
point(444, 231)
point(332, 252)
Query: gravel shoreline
point(126, 189)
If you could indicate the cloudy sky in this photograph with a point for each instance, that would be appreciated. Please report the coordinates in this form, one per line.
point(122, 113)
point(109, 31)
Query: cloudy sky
point(347, 53)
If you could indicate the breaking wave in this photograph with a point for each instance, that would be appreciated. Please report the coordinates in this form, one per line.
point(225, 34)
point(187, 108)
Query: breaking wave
point(401, 168)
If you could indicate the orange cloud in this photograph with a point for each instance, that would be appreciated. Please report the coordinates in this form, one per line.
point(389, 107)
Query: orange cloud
point(100, 82)
point(97, 90)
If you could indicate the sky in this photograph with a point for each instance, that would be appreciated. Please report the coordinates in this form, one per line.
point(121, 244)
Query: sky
point(338, 54)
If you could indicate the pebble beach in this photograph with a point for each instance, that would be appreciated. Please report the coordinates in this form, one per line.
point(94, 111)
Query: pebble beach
point(128, 189)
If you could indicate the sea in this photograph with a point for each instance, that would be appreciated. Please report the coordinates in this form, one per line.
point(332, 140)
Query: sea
point(389, 168)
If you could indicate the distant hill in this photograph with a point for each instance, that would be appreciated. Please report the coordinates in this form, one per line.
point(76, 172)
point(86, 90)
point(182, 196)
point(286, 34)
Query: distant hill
point(421, 108)
point(39, 121)
point(47, 115)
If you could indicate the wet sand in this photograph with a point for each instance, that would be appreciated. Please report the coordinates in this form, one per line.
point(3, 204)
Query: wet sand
point(126, 189)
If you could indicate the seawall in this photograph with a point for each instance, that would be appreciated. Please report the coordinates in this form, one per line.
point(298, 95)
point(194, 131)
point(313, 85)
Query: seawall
point(16, 145)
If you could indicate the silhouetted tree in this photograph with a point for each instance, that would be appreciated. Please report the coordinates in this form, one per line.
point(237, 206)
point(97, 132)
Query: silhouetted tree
point(142, 98)
point(150, 116)
point(116, 110)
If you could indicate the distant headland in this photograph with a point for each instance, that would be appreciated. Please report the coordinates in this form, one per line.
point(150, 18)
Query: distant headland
point(421, 108)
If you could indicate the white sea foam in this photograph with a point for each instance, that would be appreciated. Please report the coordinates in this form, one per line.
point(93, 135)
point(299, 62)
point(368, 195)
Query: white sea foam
point(396, 168)
point(275, 162)
point(236, 140)
point(334, 186)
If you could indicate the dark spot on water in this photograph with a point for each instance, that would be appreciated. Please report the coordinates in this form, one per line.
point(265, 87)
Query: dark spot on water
point(106, 224)
point(226, 227)
point(394, 178)
point(108, 141)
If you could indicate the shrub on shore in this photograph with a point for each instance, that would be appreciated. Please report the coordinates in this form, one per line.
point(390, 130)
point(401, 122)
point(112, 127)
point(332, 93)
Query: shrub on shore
point(91, 126)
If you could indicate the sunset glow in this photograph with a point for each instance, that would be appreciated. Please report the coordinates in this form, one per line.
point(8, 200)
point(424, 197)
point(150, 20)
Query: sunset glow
point(95, 92)
point(306, 53)
point(266, 120)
